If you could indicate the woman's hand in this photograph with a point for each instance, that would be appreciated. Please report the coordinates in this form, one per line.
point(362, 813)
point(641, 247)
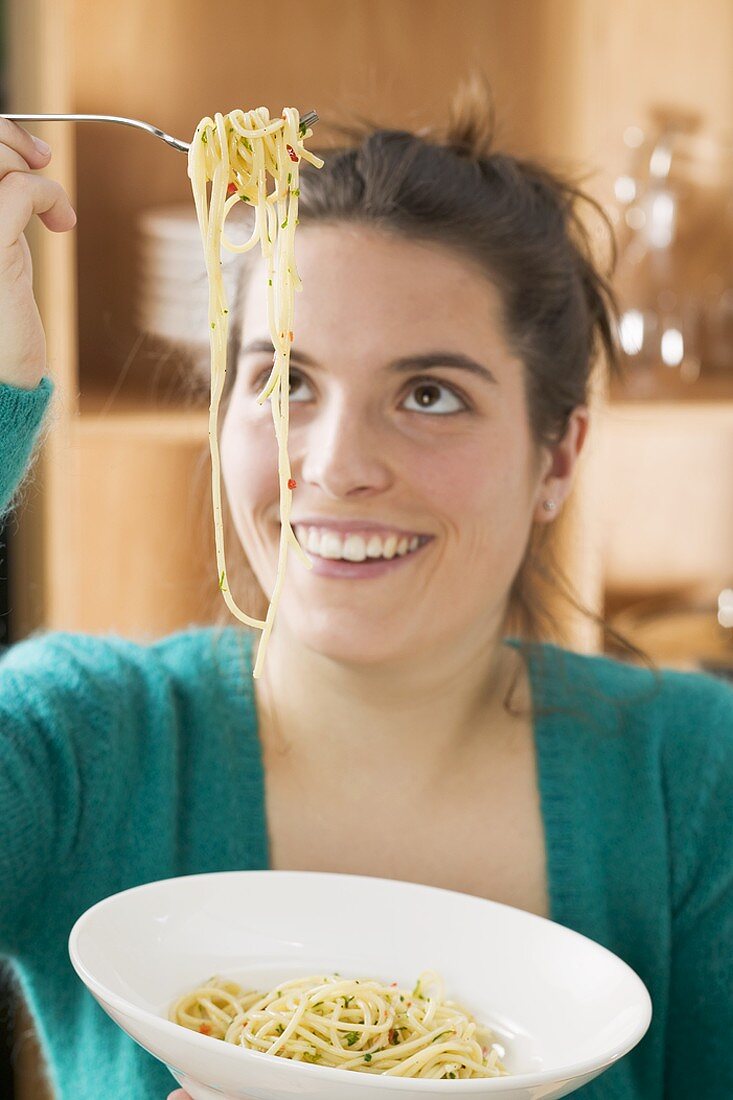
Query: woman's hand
point(179, 1094)
point(23, 193)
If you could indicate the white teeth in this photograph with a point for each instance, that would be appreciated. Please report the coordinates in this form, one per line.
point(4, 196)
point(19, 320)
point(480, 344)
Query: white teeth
point(390, 546)
point(314, 540)
point(354, 548)
point(330, 545)
point(327, 543)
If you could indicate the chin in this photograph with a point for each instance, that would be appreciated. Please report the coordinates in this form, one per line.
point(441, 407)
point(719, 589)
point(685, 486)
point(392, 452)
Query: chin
point(343, 636)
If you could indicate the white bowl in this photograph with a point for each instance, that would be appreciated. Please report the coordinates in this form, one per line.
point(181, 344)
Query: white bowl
point(564, 1007)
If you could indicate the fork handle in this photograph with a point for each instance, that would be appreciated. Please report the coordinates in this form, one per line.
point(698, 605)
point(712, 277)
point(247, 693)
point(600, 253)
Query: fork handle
point(181, 146)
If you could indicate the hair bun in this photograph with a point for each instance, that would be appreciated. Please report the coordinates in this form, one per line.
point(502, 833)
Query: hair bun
point(471, 117)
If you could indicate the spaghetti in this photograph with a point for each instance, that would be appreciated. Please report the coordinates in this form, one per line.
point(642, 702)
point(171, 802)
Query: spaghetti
point(352, 1024)
point(236, 153)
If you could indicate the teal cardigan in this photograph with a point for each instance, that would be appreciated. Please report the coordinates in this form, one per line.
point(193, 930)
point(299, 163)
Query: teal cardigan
point(111, 755)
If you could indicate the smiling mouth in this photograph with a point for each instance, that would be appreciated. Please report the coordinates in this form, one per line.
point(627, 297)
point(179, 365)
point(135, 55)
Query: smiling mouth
point(356, 548)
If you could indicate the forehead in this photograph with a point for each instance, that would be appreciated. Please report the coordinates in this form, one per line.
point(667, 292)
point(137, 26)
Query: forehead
point(366, 283)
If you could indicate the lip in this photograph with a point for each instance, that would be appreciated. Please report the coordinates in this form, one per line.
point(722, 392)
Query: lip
point(361, 571)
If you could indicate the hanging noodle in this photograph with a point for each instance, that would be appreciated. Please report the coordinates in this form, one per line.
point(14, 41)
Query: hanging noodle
point(236, 153)
point(358, 1024)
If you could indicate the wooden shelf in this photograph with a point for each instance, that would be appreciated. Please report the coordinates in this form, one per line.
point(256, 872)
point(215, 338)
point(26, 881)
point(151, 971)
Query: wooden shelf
point(711, 390)
point(134, 413)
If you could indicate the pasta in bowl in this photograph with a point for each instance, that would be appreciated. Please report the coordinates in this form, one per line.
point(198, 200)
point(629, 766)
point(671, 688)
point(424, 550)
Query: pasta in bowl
point(310, 968)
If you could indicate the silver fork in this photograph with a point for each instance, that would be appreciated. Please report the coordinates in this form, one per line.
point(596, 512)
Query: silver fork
point(182, 146)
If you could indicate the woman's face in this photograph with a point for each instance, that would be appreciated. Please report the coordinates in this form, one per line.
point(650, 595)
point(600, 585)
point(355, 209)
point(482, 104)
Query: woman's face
point(408, 421)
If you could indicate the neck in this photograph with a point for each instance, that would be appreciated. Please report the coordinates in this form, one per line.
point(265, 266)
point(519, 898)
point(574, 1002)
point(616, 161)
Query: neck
point(431, 703)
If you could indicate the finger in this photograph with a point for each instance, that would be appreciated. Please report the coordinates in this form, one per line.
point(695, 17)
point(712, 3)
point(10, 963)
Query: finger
point(23, 194)
point(179, 1094)
point(25, 143)
point(10, 161)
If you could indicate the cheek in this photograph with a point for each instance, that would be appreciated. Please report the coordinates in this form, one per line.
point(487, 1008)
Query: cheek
point(478, 483)
point(249, 460)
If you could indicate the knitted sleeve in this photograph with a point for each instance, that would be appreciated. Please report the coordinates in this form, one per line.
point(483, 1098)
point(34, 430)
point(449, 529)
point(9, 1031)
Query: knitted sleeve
point(75, 715)
point(21, 414)
point(699, 779)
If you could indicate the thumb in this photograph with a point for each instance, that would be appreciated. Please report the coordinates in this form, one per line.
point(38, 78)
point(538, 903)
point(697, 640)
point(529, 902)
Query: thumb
point(179, 1094)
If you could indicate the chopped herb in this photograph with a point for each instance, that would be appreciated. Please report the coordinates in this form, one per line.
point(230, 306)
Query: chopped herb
point(225, 311)
point(302, 129)
point(347, 1001)
point(352, 1037)
point(269, 282)
point(367, 1057)
point(295, 191)
point(247, 145)
point(284, 224)
point(297, 221)
point(213, 324)
point(221, 581)
point(401, 997)
point(204, 138)
point(451, 1076)
point(279, 1029)
point(417, 992)
point(308, 1057)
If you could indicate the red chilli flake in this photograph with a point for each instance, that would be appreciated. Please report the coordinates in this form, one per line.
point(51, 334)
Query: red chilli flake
point(292, 483)
point(205, 1029)
point(291, 152)
point(231, 190)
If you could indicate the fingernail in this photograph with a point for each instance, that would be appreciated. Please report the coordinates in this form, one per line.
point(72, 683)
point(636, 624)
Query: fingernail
point(42, 146)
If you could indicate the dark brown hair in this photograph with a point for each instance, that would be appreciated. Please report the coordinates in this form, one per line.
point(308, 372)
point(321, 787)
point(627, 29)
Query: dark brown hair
point(523, 226)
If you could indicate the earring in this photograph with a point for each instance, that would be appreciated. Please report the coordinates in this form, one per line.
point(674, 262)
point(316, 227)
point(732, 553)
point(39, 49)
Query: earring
point(549, 505)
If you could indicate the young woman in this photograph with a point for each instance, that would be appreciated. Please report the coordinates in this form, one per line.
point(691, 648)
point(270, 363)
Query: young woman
point(445, 334)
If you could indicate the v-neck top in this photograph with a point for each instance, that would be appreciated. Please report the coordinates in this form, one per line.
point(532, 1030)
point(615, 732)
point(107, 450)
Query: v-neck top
point(113, 753)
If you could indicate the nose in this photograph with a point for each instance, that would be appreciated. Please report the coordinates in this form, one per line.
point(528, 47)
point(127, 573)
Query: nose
point(345, 454)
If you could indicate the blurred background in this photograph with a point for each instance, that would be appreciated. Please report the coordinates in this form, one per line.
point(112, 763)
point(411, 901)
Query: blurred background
point(634, 97)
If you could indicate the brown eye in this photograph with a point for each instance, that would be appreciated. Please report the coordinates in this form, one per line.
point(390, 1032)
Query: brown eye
point(434, 397)
point(426, 395)
point(299, 390)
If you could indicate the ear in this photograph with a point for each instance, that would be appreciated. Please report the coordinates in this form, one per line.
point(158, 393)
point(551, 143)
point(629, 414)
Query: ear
point(560, 462)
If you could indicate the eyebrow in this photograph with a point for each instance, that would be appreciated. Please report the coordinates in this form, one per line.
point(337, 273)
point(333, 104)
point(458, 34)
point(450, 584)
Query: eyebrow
point(399, 366)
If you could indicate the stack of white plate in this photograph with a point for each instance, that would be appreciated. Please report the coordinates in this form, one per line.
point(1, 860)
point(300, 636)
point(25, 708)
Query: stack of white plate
point(172, 287)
